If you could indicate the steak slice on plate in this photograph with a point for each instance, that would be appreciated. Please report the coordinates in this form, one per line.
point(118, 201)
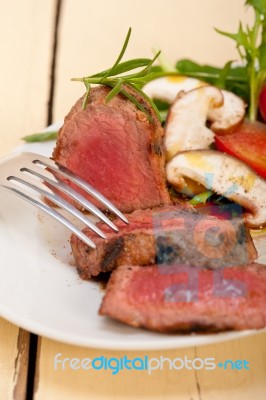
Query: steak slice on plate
point(115, 148)
point(166, 235)
point(185, 299)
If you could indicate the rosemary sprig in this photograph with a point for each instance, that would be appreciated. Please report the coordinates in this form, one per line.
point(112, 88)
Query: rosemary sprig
point(117, 79)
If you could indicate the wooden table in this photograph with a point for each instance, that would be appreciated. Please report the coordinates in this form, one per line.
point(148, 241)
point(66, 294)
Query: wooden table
point(43, 45)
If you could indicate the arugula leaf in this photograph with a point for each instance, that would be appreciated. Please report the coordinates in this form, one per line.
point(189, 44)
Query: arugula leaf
point(245, 81)
point(221, 82)
point(201, 198)
point(252, 54)
point(191, 68)
point(229, 78)
point(241, 40)
point(262, 47)
point(259, 5)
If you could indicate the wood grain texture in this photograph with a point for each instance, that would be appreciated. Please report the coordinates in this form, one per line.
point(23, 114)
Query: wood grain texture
point(161, 384)
point(237, 384)
point(26, 31)
point(26, 37)
point(21, 365)
point(14, 346)
point(90, 37)
point(131, 385)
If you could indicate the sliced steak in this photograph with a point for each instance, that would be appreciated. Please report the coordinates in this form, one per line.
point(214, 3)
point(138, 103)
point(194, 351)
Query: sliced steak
point(115, 148)
point(166, 235)
point(227, 299)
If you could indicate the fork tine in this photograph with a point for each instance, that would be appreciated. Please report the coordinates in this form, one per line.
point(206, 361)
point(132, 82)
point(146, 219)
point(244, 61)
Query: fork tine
point(60, 218)
point(80, 182)
point(54, 176)
point(72, 193)
point(62, 203)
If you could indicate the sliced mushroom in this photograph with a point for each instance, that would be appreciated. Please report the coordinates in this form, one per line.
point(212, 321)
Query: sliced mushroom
point(167, 88)
point(224, 175)
point(229, 115)
point(186, 122)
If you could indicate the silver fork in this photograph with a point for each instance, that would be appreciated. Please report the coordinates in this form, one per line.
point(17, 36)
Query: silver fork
point(26, 174)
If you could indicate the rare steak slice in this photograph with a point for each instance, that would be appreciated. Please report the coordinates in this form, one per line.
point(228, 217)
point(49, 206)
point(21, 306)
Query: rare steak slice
point(115, 148)
point(166, 235)
point(181, 300)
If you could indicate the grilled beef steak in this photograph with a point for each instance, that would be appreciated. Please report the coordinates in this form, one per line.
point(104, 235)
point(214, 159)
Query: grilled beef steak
point(180, 300)
point(115, 148)
point(166, 235)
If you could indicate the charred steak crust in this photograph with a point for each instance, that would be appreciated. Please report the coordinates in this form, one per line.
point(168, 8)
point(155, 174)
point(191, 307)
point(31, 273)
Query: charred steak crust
point(128, 249)
point(111, 254)
point(141, 243)
point(138, 297)
point(115, 148)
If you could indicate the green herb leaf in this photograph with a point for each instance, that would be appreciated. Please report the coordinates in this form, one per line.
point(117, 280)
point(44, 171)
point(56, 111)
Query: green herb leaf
point(86, 97)
point(122, 52)
point(234, 79)
point(201, 198)
point(137, 103)
point(221, 82)
point(209, 73)
point(241, 39)
point(123, 67)
point(41, 137)
point(116, 89)
point(151, 103)
point(262, 48)
point(259, 5)
point(145, 71)
point(251, 53)
point(112, 78)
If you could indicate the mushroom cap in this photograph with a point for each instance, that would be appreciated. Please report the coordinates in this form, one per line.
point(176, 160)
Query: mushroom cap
point(224, 175)
point(187, 118)
point(186, 122)
point(229, 115)
point(167, 88)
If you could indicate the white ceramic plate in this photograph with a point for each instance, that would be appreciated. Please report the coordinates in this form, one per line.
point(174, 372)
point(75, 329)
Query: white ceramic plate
point(40, 290)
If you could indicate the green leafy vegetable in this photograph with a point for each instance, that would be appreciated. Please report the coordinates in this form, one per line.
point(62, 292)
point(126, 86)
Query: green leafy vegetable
point(229, 78)
point(201, 198)
point(112, 77)
point(41, 137)
point(247, 80)
point(251, 46)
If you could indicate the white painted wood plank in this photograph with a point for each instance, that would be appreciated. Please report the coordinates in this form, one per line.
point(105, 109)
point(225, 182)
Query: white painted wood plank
point(14, 346)
point(26, 30)
point(218, 384)
point(92, 33)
